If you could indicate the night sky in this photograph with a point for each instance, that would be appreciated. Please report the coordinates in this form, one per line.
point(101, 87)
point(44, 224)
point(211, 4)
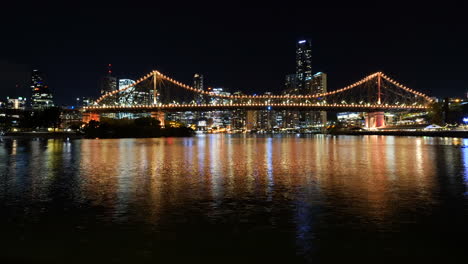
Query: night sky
point(238, 46)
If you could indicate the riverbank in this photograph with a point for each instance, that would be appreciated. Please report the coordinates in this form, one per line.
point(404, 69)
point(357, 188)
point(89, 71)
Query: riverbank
point(71, 135)
point(59, 135)
point(418, 133)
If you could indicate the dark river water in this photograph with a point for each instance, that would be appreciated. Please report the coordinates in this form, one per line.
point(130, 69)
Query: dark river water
point(234, 199)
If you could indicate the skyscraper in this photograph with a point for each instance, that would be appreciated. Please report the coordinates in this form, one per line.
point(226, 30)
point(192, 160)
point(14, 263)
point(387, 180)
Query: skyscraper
point(198, 84)
point(41, 95)
point(303, 66)
point(108, 82)
point(319, 83)
point(198, 81)
point(290, 84)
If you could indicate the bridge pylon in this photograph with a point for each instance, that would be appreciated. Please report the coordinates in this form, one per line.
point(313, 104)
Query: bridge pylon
point(155, 91)
point(159, 115)
point(375, 120)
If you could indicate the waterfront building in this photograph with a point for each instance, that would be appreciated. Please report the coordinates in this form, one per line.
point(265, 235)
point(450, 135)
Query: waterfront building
point(187, 118)
point(351, 118)
point(41, 94)
point(238, 119)
point(70, 118)
point(12, 111)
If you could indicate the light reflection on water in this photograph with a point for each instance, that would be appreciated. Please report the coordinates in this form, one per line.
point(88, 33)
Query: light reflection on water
point(296, 197)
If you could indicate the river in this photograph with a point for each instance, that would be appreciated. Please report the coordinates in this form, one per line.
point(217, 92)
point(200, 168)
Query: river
point(234, 199)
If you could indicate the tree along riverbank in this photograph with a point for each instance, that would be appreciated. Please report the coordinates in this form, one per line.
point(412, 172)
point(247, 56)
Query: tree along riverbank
point(145, 127)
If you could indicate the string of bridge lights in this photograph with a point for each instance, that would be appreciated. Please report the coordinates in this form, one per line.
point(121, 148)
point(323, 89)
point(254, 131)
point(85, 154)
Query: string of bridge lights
point(187, 87)
point(269, 96)
point(405, 88)
point(125, 88)
point(104, 108)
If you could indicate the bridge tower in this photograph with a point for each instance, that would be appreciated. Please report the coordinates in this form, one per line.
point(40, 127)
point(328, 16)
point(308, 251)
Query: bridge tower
point(158, 115)
point(376, 119)
point(155, 91)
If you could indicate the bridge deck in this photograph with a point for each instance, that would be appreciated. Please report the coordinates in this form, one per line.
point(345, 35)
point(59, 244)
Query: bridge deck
point(298, 107)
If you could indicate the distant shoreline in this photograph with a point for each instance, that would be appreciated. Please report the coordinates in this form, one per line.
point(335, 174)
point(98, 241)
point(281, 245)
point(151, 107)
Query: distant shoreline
point(453, 133)
point(64, 135)
point(51, 135)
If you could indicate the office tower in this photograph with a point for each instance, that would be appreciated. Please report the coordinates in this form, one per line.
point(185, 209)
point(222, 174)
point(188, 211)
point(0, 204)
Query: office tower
point(198, 81)
point(108, 82)
point(41, 95)
point(303, 66)
point(290, 84)
point(198, 84)
point(318, 85)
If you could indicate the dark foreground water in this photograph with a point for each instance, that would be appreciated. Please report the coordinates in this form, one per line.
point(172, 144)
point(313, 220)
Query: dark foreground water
point(222, 199)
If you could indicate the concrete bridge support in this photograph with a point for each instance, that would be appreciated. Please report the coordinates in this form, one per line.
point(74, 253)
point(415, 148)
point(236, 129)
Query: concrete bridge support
point(88, 116)
point(159, 115)
point(375, 120)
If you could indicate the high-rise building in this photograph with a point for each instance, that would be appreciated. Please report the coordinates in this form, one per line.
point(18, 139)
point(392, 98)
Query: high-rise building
point(319, 83)
point(108, 82)
point(290, 84)
point(198, 81)
point(41, 95)
point(198, 84)
point(303, 66)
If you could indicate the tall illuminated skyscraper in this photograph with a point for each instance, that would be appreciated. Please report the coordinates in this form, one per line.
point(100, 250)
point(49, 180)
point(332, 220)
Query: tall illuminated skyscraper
point(198, 81)
point(198, 84)
point(41, 95)
point(303, 66)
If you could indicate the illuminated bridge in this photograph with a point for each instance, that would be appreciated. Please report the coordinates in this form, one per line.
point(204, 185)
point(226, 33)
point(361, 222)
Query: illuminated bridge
point(158, 93)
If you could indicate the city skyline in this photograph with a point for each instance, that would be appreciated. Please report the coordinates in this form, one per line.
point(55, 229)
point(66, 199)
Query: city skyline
point(254, 64)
